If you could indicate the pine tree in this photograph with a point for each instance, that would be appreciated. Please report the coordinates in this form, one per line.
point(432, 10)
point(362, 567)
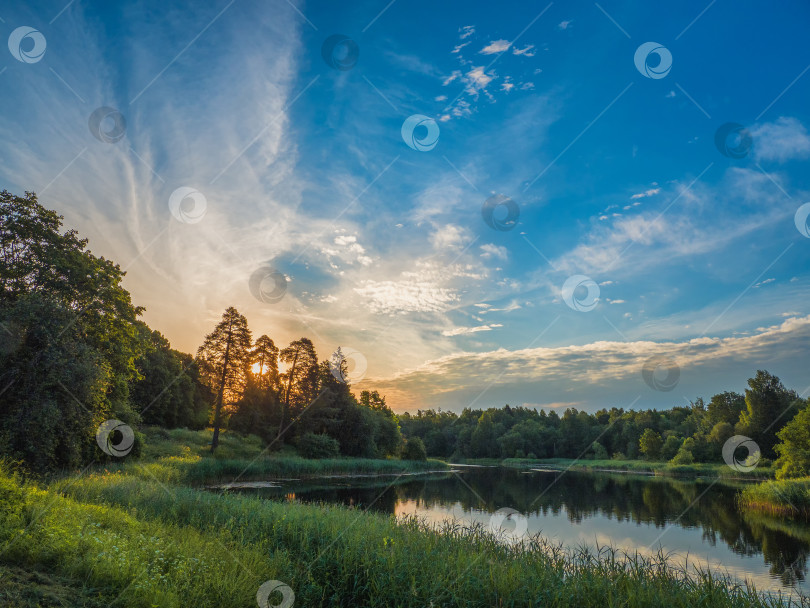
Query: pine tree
point(224, 360)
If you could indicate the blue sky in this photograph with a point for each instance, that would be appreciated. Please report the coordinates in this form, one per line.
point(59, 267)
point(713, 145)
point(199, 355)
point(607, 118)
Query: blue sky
point(696, 257)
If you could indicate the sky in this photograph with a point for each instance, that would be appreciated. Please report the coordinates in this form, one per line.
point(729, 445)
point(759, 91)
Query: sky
point(548, 204)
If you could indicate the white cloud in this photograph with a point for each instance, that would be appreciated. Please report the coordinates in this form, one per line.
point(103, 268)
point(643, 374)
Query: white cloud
point(782, 140)
point(493, 251)
point(461, 331)
point(466, 31)
point(458, 47)
point(527, 51)
point(564, 25)
point(496, 46)
point(646, 193)
point(478, 80)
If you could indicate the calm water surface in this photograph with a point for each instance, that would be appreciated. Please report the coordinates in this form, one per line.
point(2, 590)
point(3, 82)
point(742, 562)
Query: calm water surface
point(688, 519)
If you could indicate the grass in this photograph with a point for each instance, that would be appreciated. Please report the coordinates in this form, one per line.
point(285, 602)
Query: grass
point(183, 456)
point(645, 467)
point(149, 543)
point(140, 535)
point(785, 498)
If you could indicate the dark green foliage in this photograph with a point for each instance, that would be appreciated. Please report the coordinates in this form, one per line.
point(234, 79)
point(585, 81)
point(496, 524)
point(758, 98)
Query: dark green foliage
point(169, 392)
point(768, 406)
point(312, 445)
point(414, 449)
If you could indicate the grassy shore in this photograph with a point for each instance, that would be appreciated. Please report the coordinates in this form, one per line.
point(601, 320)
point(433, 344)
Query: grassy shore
point(139, 535)
point(183, 456)
point(786, 498)
point(643, 467)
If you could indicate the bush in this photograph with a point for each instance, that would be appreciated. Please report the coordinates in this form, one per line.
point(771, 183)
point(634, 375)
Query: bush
point(312, 445)
point(414, 450)
point(683, 456)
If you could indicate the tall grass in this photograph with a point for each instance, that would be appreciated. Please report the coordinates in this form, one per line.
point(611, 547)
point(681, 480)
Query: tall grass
point(161, 544)
point(789, 497)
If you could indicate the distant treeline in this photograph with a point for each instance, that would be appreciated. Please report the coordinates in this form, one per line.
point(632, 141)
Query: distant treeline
point(73, 354)
point(770, 414)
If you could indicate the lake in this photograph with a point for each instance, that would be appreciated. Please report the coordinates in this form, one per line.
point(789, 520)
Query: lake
point(698, 520)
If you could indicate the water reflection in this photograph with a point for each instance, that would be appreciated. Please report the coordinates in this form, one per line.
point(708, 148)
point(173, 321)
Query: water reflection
point(684, 517)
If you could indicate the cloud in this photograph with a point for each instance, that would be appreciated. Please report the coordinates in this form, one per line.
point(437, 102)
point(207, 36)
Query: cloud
point(612, 368)
point(564, 25)
point(496, 46)
point(478, 80)
point(466, 31)
point(526, 51)
point(460, 331)
point(458, 47)
point(782, 140)
point(493, 251)
point(646, 193)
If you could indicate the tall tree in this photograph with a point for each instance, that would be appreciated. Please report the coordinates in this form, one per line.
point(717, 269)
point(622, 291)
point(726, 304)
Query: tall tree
point(264, 363)
point(768, 405)
point(301, 377)
point(225, 359)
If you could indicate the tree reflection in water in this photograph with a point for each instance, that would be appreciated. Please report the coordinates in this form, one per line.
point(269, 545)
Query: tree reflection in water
point(660, 501)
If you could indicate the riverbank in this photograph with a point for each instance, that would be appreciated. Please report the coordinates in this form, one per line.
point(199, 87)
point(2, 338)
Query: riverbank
point(149, 542)
point(641, 467)
point(785, 498)
point(183, 456)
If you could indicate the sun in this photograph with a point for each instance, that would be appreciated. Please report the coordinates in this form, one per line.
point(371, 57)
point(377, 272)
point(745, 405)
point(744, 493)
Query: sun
point(256, 368)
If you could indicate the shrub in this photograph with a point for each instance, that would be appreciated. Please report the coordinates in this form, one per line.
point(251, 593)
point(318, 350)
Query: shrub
point(683, 456)
point(312, 445)
point(414, 450)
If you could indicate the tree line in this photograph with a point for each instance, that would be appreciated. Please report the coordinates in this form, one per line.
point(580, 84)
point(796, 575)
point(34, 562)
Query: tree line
point(74, 353)
point(774, 417)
